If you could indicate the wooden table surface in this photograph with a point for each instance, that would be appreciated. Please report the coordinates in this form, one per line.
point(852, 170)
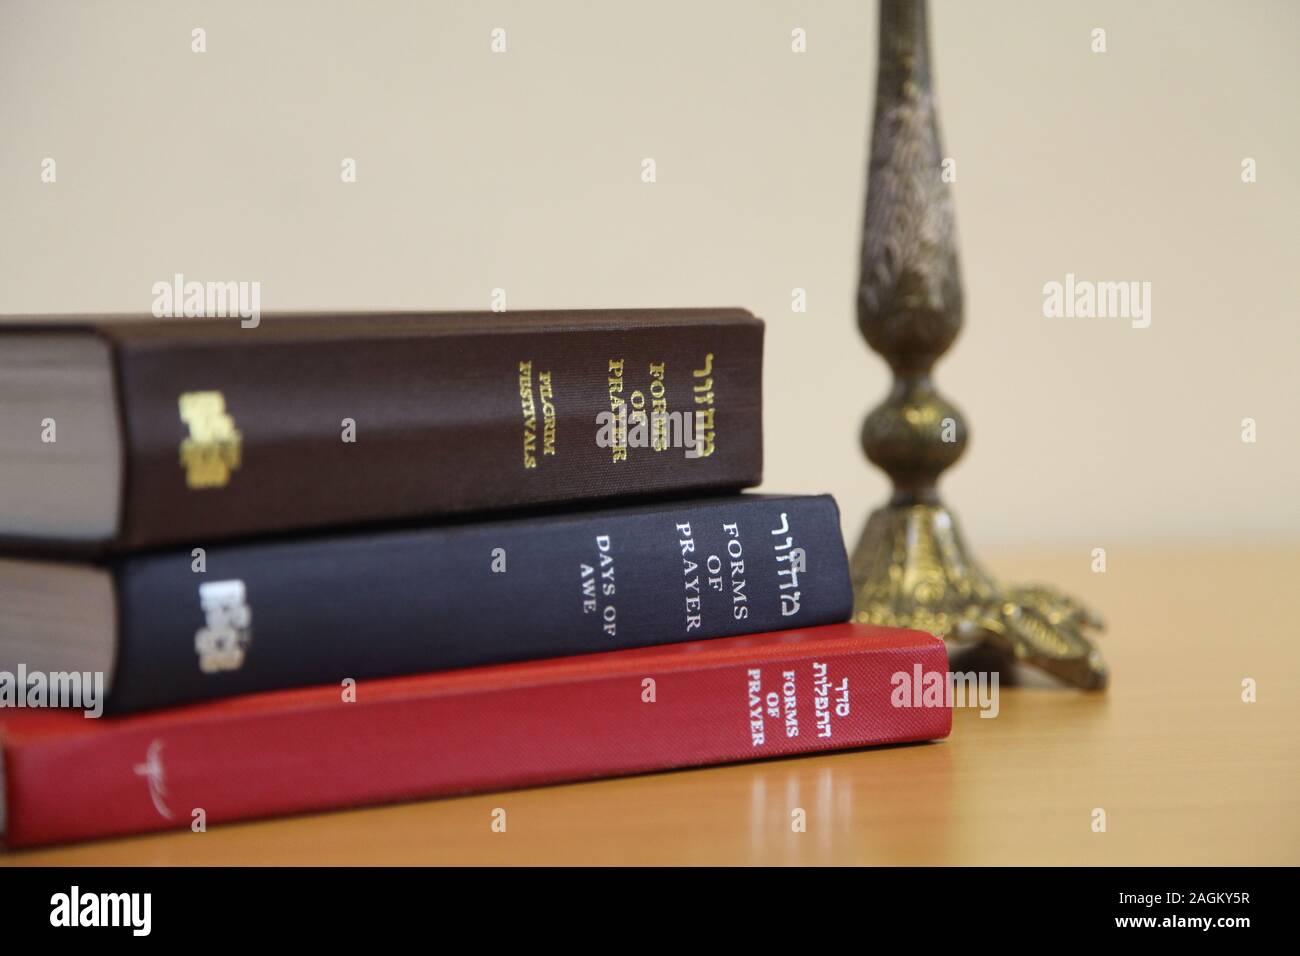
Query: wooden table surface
point(1186, 772)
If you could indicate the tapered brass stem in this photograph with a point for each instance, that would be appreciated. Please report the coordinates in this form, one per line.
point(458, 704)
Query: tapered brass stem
point(911, 567)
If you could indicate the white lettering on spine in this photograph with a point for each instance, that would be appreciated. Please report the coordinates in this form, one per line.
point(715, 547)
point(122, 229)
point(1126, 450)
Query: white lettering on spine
point(757, 736)
point(597, 581)
point(735, 553)
point(824, 704)
point(691, 576)
point(223, 641)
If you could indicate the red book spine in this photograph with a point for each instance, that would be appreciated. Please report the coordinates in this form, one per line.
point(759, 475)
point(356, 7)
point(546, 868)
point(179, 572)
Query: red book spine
point(67, 777)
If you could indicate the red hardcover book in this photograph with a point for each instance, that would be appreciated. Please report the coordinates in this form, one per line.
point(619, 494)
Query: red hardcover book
point(67, 777)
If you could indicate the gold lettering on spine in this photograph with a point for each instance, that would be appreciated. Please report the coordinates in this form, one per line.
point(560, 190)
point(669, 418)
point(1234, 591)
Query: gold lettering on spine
point(658, 407)
point(530, 413)
point(214, 447)
point(704, 432)
point(546, 392)
point(641, 417)
point(618, 447)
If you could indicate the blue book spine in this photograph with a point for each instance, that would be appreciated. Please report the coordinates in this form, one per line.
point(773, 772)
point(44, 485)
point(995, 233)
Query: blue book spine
point(321, 610)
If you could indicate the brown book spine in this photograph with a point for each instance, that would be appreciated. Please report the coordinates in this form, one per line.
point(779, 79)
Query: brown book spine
point(304, 423)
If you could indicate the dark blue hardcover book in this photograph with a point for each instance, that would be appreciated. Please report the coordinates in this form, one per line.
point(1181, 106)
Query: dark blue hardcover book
point(265, 615)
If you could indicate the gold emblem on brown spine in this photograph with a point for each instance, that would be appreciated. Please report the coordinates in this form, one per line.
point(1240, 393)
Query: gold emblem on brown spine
point(212, 450)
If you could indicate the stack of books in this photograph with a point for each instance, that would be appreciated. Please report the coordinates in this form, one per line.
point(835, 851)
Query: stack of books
point(346, 559)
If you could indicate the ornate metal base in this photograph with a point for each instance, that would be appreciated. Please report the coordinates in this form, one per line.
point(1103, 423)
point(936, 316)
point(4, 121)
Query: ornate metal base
point(911, 569)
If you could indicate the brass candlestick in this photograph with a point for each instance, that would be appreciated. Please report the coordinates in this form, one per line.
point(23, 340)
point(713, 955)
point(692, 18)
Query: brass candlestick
point(911, 567)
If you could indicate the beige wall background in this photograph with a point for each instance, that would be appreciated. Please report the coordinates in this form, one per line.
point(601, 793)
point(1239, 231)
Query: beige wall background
point(522, 171)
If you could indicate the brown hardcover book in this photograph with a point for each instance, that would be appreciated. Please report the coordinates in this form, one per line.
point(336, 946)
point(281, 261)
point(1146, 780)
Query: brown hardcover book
point(130, 433)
